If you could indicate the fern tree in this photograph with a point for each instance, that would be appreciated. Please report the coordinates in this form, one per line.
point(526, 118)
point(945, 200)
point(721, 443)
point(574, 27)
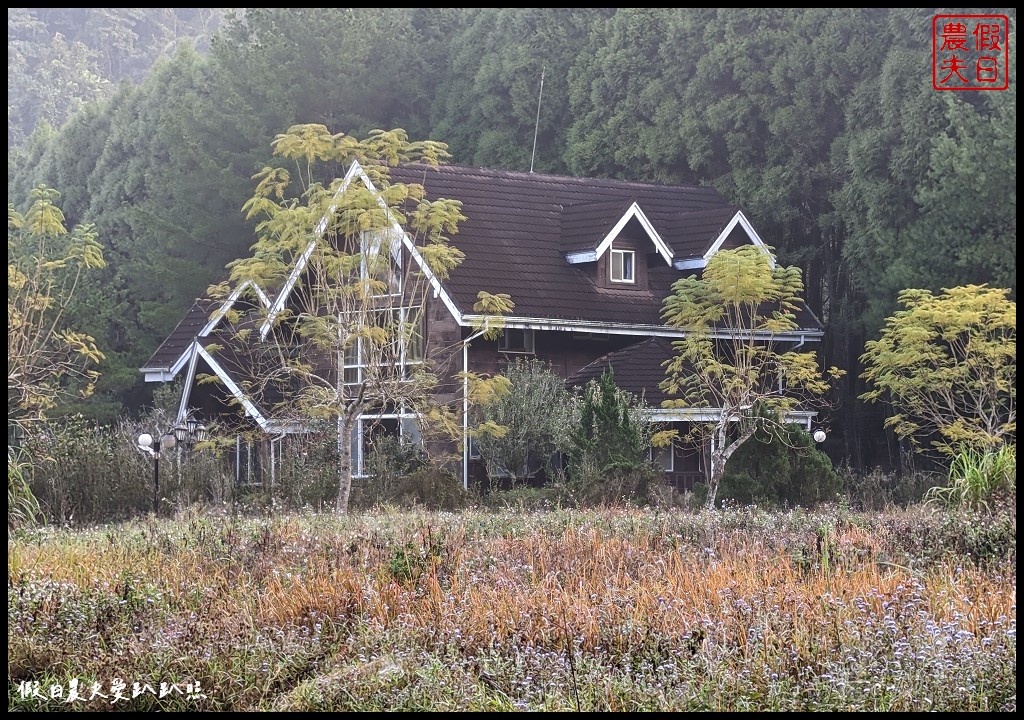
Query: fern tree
point(947, 364)
point(353, 263)
point(48, 362)
point(733, 364)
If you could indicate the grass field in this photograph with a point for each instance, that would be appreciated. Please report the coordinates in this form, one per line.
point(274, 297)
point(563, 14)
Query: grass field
point(614, 609)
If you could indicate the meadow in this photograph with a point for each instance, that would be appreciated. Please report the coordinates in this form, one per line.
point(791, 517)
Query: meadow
point(606, 609)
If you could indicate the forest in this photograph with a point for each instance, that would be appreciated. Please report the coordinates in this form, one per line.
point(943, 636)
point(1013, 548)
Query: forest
point(822, 124)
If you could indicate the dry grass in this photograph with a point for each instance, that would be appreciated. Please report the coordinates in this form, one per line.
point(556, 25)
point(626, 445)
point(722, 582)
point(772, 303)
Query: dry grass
point(615, 609)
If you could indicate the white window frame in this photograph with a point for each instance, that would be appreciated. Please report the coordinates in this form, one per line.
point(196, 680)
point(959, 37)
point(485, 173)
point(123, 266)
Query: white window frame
point(671, 458)
point(621, 255)
point(404, 313)
point(371, 243)
point(529, 342)
point(358, 437)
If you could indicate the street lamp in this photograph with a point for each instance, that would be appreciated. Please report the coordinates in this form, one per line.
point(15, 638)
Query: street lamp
point(188, 433)
point(819, 436)
point(152, 447)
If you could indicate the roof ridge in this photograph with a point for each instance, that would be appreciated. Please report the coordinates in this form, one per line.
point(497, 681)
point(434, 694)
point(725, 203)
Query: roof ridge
point(559, 177)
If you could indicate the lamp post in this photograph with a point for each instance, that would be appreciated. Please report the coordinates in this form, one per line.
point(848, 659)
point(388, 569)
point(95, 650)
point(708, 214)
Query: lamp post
point(819, 436)
point(152, 447)
point(188, 433)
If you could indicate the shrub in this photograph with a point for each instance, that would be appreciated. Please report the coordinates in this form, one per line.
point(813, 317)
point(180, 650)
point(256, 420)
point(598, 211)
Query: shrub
point(589, 486)
point(433, 488)
point(780, 468)
point(308, 469)
point(878, 489)
point(520, 431)
point(387, 465)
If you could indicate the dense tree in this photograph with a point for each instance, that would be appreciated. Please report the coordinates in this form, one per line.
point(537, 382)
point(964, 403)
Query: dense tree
point(731, 359)
point(625, 94)
point(147, 172)
point(609, 434)
point(60, 59)
point(487, 106)
point(349, 68)
point(947, 364)
point(349, 339)
point(48, 360)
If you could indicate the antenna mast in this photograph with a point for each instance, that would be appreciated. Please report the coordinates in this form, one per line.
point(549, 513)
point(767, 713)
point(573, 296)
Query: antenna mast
point(536, 126)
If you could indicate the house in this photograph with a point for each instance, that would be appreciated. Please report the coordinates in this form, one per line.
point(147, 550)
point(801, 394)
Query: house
point(587, 262)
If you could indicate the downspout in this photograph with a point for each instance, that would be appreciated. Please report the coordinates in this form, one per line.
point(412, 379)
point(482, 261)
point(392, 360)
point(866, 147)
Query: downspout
point(465, 405)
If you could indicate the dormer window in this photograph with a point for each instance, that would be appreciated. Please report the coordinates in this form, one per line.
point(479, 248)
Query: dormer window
point(623, 266)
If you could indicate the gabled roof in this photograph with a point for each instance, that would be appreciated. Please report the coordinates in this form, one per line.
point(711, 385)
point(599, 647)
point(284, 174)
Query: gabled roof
point(515, 239)
point(589, 230)
point(199, 322)
point(691, 234)
point(169, 357)
point(236, 363)
point(582, 223)
point(696, 236)
point(520, 227)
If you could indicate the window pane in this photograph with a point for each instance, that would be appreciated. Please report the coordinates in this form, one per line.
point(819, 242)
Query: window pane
point(413, 335)
point(517, 340)
point(411, 432)
point(351, 353)
point(662, 457)
point(623, 266)
point(627, 266)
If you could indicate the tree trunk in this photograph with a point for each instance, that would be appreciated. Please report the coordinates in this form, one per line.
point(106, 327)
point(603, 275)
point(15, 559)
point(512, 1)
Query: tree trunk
point(721, 454)
point(345, 425)
point(718, 458)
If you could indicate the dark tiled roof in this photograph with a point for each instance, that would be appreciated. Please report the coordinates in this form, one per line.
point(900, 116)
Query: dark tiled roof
point(691, 234)
point(512, 239)
point(518, 228)
point(584, 226)
point(195, 320)
point(182, 336)
point(638, 368)
point(519, 225)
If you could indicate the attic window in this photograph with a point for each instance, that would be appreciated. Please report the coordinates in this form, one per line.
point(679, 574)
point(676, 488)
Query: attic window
point(623, 266)
point(515, 340)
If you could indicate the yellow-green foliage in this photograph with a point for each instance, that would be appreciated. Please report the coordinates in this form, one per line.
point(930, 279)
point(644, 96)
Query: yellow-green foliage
point(354, 261)
point(731, 359)
point(947, 364)
point(46, 360)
